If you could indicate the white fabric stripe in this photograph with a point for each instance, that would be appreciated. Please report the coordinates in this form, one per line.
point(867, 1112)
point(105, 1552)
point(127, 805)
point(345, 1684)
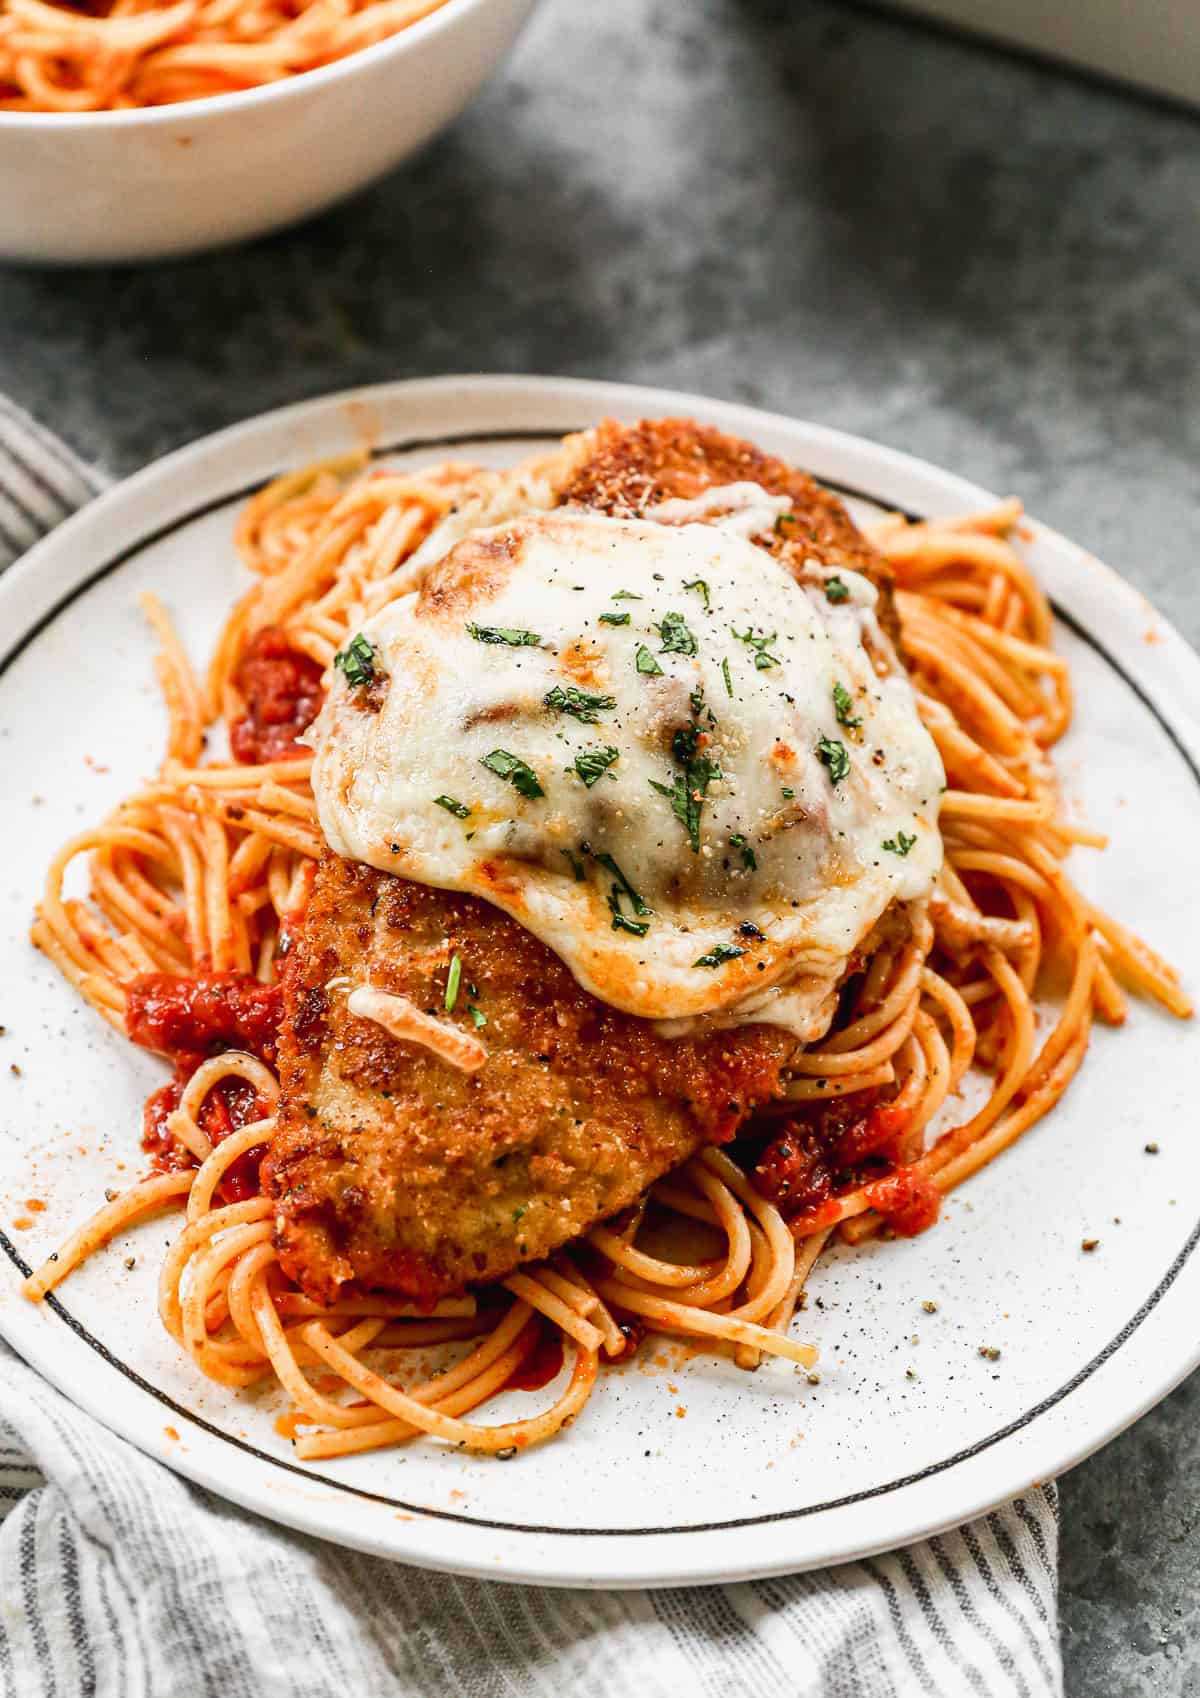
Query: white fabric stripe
point(48, 458)
point(491, 1618)
point(73, 1605)
point(994, 1553)
point(35, 1613)
point(822, 1632)
point(1047, 1550)
point(40, 503)
point(905, 1624)
point(16, 532)
point(8, 1678)
point(704, 1620)
point(41, 481)
point(125, 1582)
point(953, 1637)
point(1021, 1562)
point(70, 1453)
point(992, 1643)
point(114, 1635)
point(555, 1636)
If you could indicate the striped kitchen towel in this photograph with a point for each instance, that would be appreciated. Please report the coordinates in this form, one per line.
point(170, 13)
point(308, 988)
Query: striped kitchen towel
point(41, 481)
point(120, 1580)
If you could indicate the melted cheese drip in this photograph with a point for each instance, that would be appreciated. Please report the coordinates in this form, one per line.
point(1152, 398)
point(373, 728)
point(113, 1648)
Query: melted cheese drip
point(741, 509)
point(790, 871)
point(401, 1017)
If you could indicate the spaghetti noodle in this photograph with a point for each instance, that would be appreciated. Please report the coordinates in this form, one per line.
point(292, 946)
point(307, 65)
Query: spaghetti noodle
point(204, 871)
point(123, 54)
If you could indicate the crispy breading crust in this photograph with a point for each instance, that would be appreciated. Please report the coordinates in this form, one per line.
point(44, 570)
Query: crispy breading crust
point(391, 1168)
point(632, 467)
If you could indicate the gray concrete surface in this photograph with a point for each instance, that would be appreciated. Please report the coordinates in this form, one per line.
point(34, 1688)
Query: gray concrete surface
point(830, 212)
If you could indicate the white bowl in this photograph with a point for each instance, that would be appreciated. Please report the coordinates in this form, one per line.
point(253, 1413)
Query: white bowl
point(114, 186)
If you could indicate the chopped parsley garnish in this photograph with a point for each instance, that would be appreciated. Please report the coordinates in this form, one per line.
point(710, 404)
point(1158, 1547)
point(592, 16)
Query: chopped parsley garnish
point(788, 794)
point(592, 764)
point(701, 589)
point(749, 858)
point(726, 677)
point(477, 1015)
point(782, 519)
point(460, 810)
point(836, 590)
point(760, 645)
point(901, 843)
point(357, 660)
point(722, 952)
point(636, 901)
point(843, 701)
point(614, 619)
point(453, 978)
point(687, 793)
point(580, 704)
point(620, 890)
point(646, 662)
point(504, 634)
point(517, 1213)
point(622, 922)
point(576, 865)
point(625, 595)
point(520, 775)
point(676, 637)
point(835, 758)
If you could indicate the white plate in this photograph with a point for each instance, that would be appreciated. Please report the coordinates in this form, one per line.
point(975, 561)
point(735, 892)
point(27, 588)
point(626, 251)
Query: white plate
point(679, 1471)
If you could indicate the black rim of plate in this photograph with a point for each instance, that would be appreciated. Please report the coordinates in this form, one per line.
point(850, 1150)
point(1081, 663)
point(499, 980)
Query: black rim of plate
point(461, 439)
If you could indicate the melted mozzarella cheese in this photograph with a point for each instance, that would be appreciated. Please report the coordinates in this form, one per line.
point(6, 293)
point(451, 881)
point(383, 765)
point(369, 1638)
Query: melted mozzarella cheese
point(742, 509)
point(659, 778)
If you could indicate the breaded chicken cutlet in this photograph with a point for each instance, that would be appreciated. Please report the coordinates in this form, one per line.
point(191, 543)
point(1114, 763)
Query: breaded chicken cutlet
point(389, 1167)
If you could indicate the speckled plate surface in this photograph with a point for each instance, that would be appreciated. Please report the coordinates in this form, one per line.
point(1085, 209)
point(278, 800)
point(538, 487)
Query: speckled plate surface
point(680, 1470)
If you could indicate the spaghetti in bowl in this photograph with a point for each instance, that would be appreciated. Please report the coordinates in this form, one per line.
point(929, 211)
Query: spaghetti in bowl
point(226, 158)
point(848, 1136)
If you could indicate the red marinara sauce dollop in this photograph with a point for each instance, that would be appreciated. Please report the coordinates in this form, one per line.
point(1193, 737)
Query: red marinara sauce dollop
point(188, 1019)
point(799, 1168)
point(200, 1014)
point(282, 691)
point(818, 1155)
point(908, 1200)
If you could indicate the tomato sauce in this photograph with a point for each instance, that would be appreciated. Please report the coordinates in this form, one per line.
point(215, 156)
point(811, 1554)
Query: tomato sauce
point(282, 691)
point(166, 1154)
point(202, 1014)
point(875, 1134)
point(908, 1200)
point(803, 1164)
point(188, 1020)
point(542, 1365)
point(827, 1148)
